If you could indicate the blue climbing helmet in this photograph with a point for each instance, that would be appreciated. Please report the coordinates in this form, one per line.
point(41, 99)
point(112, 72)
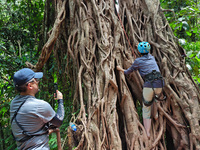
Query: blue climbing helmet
point(144, 47)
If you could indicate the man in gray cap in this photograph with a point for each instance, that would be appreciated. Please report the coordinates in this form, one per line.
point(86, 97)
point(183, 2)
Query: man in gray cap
point(31, 117)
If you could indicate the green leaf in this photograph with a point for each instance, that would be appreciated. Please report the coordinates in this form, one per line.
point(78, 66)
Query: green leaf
point(189, 33)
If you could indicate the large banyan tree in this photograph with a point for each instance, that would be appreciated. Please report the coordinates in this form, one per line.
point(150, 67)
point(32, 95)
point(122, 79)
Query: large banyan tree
point(91, 38)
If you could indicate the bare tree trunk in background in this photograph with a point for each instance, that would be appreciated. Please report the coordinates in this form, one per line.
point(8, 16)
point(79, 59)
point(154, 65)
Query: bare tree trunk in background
point(90, 42)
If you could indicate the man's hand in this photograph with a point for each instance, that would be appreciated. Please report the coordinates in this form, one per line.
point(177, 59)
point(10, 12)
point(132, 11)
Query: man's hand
point(59, 95)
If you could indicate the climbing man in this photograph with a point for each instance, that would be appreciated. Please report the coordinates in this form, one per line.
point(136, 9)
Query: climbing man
point(32, 117)
point(153, 82)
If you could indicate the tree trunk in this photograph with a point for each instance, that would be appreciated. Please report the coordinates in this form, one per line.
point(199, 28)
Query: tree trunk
point(91, 41)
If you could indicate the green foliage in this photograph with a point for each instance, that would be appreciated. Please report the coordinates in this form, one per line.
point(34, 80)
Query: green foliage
point(53, 142)
point(185, 19)
point(193, 59)
point(139, 110)
point(185, 22)
point(20, 33)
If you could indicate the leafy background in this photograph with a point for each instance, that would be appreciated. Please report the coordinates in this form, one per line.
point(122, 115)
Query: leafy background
point(22, 37)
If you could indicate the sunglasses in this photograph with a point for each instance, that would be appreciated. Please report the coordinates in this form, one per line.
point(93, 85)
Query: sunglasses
point(33, 80)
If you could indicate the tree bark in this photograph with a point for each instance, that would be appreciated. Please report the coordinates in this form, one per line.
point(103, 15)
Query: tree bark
point(90, 34)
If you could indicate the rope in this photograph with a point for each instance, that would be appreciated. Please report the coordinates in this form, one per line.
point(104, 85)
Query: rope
point(125, 32)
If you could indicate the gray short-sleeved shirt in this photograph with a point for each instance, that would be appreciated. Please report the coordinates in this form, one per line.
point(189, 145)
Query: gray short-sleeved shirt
point(32, 116)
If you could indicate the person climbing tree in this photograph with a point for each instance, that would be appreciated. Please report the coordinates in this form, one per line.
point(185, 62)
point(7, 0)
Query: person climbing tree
point(31, 117)
point(153, 82)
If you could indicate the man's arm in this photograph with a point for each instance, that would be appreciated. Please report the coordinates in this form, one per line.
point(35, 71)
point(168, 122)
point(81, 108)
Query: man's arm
point(58, 118)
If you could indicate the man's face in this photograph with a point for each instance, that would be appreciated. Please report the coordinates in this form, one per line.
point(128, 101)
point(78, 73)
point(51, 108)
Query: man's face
point(34, 84)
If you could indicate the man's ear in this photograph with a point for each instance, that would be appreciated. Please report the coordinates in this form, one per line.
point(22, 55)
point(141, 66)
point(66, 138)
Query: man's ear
point(29, 86)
